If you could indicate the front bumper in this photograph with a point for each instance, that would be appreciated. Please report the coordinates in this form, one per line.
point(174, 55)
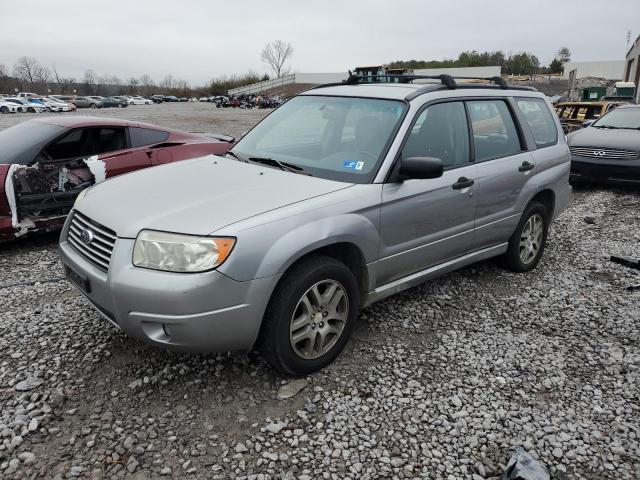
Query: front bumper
point(205, 312)
point(615, 172)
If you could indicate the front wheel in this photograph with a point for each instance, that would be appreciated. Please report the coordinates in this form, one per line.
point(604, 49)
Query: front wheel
point(93, 105)
point(4, 109)
point(310, 316)
point(31, 110)
point(527, 244)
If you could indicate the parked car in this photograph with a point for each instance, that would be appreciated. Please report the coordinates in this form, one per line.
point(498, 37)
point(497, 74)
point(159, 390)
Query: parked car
point(157, 98)
point(26, 104)
point(28, 95)
point(574, 114)
point(203, 99)
point(108, 102)
point(86, 102)
point(64, 98)
point(608, 150)
point(11, 107)
point(139, 101)
point(54, 105)
point(46, 163)
point(171, 98)
point(342, 196)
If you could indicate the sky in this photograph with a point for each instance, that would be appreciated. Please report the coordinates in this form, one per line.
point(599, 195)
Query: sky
point(197, 40)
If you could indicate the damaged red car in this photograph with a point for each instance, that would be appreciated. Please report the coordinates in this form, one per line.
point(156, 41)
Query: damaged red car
point(46, 163)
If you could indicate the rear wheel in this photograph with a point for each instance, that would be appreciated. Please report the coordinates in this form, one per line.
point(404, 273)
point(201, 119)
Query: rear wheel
point(310, 316)
point(93, 105)
point(529, 240)
point(31, 110)
point(4, 109)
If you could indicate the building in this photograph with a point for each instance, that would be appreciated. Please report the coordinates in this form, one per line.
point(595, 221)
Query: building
point(632, 66)
point(607, 70)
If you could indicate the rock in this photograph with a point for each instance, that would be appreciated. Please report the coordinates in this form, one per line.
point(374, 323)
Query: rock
point(276, 427)
point(291, 389)
point(28, 384)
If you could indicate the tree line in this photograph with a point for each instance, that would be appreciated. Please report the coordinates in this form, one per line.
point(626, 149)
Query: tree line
point(522, 63)
point(28, 74)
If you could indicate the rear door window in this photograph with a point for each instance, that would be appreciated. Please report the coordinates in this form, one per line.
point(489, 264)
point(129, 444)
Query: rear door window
point(146, 136)
point(110, 139)
point(540, 120)
point(494, 131)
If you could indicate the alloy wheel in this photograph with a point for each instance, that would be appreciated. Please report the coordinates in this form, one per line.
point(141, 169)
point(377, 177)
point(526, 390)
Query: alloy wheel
point(531, 238)
point(319, 319)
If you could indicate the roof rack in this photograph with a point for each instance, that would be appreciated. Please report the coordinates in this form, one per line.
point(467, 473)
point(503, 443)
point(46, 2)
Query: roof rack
point(447, 81)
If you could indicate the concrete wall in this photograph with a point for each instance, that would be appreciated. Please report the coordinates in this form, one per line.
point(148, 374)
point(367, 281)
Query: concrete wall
point(609, 70)
point(632, 64)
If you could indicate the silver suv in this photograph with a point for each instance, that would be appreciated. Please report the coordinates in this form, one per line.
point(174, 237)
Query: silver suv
point(342, 196)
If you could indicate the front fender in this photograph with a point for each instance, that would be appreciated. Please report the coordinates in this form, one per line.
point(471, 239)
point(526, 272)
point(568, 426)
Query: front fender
point(287, 243)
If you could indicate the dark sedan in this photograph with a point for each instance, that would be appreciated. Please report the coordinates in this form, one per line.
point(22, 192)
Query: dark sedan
point(608, 150)
point(109, 102)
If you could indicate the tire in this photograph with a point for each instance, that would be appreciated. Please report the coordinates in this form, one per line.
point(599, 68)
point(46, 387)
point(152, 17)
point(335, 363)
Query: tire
point(31, 110)
point(295, 295)
point(522, 258)
point(4, 109)
point(48, 110)
point(93, 105)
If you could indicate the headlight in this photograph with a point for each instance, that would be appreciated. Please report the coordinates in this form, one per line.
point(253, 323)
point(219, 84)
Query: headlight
point(173, 252)
point(80, 197)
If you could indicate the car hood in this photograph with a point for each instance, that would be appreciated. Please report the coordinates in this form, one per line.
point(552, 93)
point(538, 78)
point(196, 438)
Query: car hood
point(605, 138)
point(197, 196)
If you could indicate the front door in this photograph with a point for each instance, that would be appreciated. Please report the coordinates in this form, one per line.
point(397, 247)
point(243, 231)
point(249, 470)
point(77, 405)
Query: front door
point(427, 222)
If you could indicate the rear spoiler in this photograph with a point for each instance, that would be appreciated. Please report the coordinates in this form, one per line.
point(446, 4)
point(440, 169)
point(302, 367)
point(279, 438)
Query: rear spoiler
point(218, 136)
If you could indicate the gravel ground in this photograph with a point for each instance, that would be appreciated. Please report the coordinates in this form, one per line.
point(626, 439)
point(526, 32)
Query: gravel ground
point(441, 381)
point(190, 117)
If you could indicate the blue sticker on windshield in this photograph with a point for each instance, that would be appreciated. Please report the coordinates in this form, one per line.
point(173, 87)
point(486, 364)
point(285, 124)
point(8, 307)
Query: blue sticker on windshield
point(353, 165)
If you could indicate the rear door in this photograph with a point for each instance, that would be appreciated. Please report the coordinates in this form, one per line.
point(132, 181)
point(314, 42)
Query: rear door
point(504, 167)
point(427, 222)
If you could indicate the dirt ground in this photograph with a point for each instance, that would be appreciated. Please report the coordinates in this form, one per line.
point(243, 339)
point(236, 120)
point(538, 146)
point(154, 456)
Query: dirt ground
point(188, 116)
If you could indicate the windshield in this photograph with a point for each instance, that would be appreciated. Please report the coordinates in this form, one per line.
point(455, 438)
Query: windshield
point(620, 118)
point(21, 143)
point(338, 138)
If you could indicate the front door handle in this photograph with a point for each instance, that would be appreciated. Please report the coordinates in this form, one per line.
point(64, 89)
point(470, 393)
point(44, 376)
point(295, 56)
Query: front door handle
point(463, 182)
point(525, 167)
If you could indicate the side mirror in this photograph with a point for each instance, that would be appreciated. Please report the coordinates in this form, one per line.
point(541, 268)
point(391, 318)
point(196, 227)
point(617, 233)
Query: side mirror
point(421, 167)
point(587, 123)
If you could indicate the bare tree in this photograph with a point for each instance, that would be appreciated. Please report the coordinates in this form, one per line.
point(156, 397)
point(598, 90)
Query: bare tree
point(275, 54)
point(89, 81)
point(64, 83)
point(133, 85)
point(4, 74)
point(147, 82)
point(25, 70)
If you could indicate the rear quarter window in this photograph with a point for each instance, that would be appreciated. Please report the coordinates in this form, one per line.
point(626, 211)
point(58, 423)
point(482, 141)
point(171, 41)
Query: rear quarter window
point(146, 136)
point(540, 121)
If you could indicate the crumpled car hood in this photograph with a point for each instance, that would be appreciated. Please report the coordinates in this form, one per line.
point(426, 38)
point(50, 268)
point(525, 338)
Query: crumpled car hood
point(196, 196)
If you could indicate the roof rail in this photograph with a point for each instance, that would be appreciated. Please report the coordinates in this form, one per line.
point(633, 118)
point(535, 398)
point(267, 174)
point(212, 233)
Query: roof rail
point(447, 81)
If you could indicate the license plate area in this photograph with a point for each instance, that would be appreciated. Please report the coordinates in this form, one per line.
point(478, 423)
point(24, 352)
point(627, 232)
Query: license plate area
point(77, 279)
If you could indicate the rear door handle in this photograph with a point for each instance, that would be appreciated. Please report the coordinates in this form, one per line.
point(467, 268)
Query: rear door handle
point(463, 182)
point(525, 167)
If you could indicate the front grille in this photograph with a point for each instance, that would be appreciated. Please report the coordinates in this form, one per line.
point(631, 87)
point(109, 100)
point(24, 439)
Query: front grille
point(98, 251)
point(605, 153)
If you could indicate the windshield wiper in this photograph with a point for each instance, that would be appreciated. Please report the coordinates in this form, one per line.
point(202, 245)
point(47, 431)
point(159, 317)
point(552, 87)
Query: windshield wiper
point(287, 167)
point(234, 155)
point(606, 126)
